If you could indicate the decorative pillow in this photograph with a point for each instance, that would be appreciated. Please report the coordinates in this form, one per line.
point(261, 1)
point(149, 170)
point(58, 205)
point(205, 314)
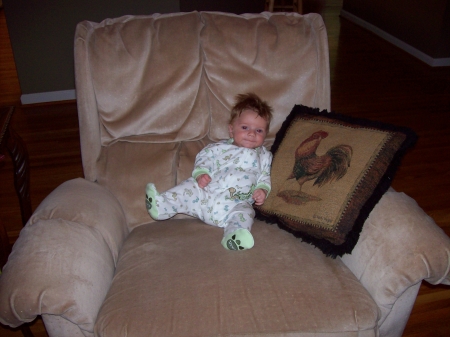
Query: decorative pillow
point(328, 172)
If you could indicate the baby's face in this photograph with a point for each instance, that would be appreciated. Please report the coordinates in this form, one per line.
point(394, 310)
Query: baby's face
point(248, 130)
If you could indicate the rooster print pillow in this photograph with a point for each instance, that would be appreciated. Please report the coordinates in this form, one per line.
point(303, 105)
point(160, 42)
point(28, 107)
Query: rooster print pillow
point(328, 172)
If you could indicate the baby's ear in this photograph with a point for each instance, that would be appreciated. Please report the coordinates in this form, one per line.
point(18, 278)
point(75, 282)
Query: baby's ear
point(230, 130)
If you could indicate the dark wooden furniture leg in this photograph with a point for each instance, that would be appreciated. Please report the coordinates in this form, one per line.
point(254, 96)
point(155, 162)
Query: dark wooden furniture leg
point(19, 156)
point(17, 150)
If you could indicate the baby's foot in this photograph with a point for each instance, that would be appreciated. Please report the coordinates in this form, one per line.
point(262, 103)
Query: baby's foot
point(240, 239)
point(150, 200)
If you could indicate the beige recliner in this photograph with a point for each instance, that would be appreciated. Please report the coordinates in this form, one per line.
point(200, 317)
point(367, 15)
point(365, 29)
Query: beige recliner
point(152, 91)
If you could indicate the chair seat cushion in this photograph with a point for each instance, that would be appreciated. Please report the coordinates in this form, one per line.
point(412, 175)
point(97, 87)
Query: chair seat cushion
point(174, 278)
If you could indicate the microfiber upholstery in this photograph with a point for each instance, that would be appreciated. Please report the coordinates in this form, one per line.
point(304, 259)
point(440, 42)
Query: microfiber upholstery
point(181, 282)
point(124, 168)
point(172, 79)
point(136, 98)
point(251, 50)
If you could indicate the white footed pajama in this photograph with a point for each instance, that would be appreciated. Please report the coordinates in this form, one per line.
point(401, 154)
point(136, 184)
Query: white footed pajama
point(236, 172)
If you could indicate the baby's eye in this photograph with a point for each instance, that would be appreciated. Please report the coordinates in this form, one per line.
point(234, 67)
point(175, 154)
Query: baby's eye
point(244, 127)
point(260, 131)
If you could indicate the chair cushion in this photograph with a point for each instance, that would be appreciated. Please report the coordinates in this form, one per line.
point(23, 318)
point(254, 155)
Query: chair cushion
point(174, 278)
point(282, 57)
point(138, 65)
point(125, 168)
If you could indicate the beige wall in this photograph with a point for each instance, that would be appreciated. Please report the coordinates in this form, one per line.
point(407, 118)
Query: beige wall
point(423, 24)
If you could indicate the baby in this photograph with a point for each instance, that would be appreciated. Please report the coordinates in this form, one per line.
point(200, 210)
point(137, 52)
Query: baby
point(228, 177)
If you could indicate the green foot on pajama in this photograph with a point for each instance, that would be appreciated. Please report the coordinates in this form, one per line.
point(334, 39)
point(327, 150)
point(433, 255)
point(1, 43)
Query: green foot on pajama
point(238, 240)
point(150, 200)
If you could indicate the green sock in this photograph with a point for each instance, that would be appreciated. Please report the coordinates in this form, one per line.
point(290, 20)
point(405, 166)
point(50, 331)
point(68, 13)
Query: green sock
point(150, 201)
point(240, 239)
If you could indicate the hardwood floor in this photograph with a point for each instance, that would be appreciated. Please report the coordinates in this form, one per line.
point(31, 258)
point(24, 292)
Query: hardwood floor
point(370, 78)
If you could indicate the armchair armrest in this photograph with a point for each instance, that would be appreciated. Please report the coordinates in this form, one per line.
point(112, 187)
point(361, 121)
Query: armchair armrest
point(399, 246)
point(64, 260)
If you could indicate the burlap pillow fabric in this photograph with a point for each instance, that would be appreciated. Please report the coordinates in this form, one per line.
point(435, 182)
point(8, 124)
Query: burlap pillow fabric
point(328, 173)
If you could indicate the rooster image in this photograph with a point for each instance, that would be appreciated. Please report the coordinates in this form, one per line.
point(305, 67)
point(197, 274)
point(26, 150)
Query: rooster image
point(333, 165)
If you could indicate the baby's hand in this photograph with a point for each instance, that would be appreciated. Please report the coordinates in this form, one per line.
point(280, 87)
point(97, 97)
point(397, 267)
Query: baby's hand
point(259, 196)
point(203, 180)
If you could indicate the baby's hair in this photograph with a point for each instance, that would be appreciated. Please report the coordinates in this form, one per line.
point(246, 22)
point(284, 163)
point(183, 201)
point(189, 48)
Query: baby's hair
point(251, 101)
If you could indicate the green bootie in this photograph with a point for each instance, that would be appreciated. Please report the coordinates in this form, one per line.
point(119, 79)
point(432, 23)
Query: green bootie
point(240, 239)
point(150, 194)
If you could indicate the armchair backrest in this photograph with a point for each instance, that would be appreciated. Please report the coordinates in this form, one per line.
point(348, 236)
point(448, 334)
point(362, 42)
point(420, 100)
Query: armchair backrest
point(172, 78)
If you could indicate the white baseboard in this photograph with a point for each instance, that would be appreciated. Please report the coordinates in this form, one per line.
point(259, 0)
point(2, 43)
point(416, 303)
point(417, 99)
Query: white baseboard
point(434, 62)
point(51, 96)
